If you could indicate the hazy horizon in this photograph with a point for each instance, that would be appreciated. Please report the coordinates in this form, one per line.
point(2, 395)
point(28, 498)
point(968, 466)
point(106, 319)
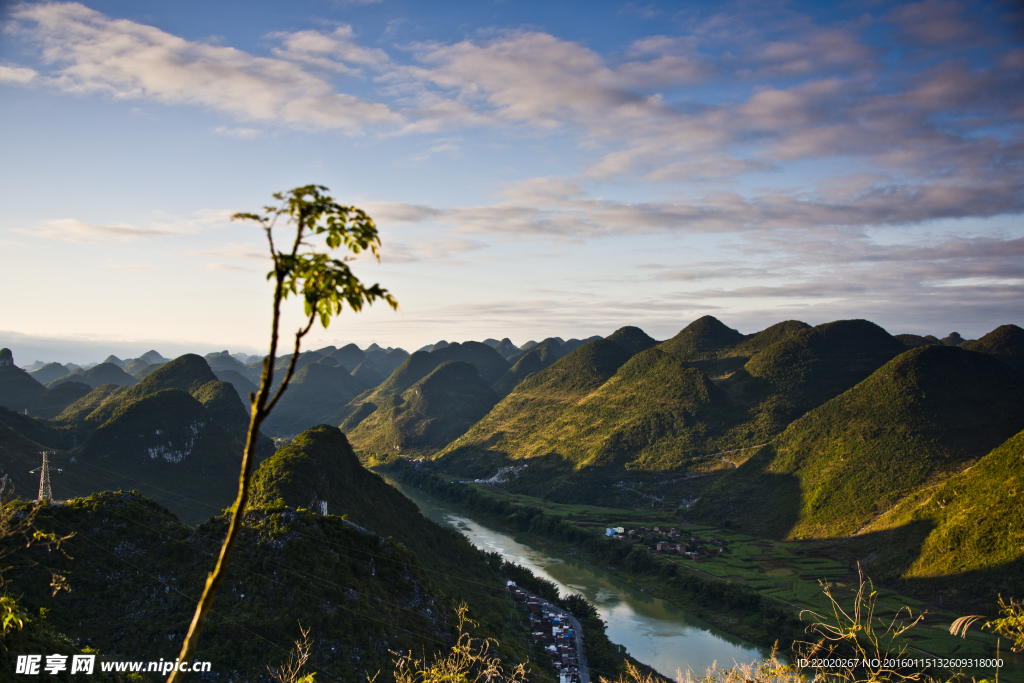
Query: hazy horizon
point(84, 350)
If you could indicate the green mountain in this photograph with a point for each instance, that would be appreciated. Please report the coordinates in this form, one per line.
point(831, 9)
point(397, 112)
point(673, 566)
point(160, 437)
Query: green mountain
point(977, 522)
point(360, 594)
point(429, 414)
point(390, 361)
point(22, 439)
point(1005, 343)
point(633, 339)
point(165, 445)
point(549, 347)
point(486, 360)
point(104, 373)
point(807, 368)
point(190, 374)
point(152, 357)
point(18, 390)
point(369, 374)
point(242, 385)
point(224, 361)
point(350, 356)
point(531, 362)
point(281, 364)
point(59, 398)
point(318, 470)
point(702, 339)
point(516, 427)
point(314, 393)
point(147, 370)
point(622, 414)
point(48, 373)
point(171, 436)
point(135, 366)
point(923, 416)
point(506, 348)
point(83, 407)
point(912, 341)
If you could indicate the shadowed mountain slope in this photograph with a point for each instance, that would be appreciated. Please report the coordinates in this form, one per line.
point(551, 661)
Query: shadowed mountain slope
point(165, 445)
point(912, 341)
point(429, 414)
point(534, 360)
point(104, 373)
point(369, 374)
point(152, 357)
point(1005, 343)
point(512, 428)
point(49, 372)
point(134, 366)
point(633, 339)
point(241, 385)
point(315, 392)
point(927, 413)
point(188, 373)
point(390, 361)
point(83, 407)
point(350, 356)
point(18, 390)
point(59, 398)
point(506, 348)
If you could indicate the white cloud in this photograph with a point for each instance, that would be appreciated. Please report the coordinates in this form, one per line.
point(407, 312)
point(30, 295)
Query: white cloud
point(72, 230)
point(337, 50)
point(94, 53)
point(16, 74)
point(246, 251)
point(244, 133)
point(229, 268)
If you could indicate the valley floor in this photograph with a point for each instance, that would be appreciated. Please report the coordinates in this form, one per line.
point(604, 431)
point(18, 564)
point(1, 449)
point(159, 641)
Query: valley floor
point(791, 574)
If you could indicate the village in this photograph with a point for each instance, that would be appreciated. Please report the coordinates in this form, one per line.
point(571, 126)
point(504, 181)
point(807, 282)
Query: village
point(669, 541)
point(557, 632)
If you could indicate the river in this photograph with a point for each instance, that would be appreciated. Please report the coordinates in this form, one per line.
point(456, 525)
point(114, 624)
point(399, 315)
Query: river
point(662, 636)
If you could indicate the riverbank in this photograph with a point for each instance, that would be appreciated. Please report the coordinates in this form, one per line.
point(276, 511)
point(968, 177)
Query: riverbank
point(719, 591)
point(652, 630)
point(735, 610)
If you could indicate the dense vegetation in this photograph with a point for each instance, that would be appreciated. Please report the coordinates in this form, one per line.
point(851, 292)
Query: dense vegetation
point(359, 594)
point(928, 413)
point(428, 415)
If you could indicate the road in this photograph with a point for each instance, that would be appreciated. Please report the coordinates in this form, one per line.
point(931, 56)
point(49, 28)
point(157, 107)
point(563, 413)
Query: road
point(577, 631)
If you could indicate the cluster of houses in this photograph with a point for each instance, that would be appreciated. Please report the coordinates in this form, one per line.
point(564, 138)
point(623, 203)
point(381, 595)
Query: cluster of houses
point(423, 465)
point(552, 630)
point(665, 540)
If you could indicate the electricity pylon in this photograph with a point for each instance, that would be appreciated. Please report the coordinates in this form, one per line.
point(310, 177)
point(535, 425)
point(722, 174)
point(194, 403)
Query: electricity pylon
point(44, 477)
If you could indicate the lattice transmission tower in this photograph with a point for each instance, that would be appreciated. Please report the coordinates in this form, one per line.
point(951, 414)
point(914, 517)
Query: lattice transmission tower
point(44, 477)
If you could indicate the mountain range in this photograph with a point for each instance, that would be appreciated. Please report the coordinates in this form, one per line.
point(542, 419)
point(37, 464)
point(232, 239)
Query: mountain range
point(834, 431)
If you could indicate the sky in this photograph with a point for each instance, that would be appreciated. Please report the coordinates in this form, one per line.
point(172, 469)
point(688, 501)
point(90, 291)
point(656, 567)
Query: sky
point(535, 169)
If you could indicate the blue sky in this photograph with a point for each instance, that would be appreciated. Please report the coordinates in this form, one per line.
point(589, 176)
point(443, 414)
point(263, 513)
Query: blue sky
point(536, 169)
